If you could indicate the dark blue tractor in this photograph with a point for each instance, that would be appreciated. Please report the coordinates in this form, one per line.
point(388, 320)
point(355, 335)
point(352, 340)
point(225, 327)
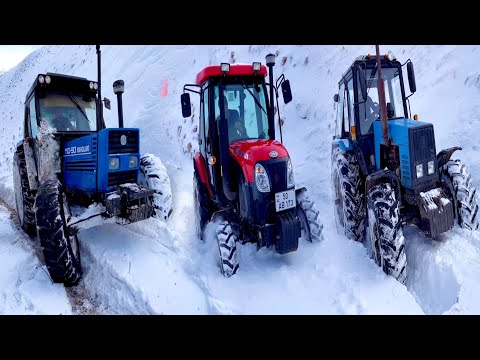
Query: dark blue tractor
point(386, 171)
point(69, 161)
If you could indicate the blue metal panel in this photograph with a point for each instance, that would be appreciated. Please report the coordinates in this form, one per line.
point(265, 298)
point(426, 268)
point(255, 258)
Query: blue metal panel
point(104, 159)
point(398, 132)
point(80, 162)
point(343, 144)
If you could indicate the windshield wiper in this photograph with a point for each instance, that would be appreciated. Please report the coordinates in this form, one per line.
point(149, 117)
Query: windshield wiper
point(79, 107)
point(254, 98)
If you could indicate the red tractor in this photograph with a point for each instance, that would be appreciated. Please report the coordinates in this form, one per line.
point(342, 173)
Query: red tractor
point(241, 173)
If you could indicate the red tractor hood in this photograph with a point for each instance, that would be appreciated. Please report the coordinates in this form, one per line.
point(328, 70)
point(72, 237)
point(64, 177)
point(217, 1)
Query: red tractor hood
point(248, 152)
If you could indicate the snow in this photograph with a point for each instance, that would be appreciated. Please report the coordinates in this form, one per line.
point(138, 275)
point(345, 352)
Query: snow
point(434, 198)
point(25, 287)
point(162, 268)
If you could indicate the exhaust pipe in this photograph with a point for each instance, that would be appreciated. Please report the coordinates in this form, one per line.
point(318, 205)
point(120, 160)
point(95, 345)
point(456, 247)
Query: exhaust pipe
point(270, 61)
point(118, 89)
point(381, 99)
point(100, 121)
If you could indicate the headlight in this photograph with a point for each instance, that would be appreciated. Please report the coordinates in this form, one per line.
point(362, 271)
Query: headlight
point(95, 86)
point(90, 85)
point(290, 178)
point(431, 167)
point(419, 168)
point(114, 163)
point(48, 79)
point(132, 162)
point(41, 79)
point(261, 179)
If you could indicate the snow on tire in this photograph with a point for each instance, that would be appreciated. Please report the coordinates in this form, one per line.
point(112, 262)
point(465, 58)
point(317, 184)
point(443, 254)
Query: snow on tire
point(227, 246)
point(458, 185)
point(385, 240)
point(153, 175)
point(309, 218)
point(201, 204)
point(348, 193)
point(60, 248)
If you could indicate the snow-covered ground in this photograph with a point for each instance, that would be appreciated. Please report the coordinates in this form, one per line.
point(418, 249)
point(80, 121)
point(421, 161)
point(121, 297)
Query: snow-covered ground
point(153, 267)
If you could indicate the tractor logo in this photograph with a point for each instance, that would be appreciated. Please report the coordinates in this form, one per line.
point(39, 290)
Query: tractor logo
point(273, 154)
point(123, 140)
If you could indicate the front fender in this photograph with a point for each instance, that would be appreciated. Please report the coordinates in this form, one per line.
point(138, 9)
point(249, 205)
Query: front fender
point(445, 155)
point(383, 176)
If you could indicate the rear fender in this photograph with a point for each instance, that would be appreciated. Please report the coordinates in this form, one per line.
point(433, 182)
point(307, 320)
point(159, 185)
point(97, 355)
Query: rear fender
point(199, 164)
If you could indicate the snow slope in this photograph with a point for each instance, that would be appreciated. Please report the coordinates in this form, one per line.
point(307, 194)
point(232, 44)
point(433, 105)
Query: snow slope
point(153, 267)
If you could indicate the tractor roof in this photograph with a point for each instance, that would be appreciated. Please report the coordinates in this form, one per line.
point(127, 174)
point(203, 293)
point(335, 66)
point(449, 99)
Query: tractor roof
point(370, 60)
point(235, 70)
point(61, 82)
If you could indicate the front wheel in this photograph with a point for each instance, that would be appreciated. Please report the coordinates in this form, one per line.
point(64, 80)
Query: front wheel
point(227, 246)
point(309, 219)
point(385, 240)
point(59, 244)
point(457, 183)
point(153, 175)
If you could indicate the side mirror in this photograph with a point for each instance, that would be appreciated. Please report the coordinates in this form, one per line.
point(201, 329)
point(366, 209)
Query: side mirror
point(411, 77)
point(363, 82)
point(335, 98)
point(108, 104)
point(286, 91)
point(186, 106)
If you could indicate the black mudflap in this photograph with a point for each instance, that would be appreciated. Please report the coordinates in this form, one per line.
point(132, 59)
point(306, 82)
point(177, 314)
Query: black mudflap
point(288, 230)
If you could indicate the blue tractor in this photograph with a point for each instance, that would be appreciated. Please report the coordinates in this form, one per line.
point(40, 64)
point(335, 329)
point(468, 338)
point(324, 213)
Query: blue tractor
point(69, 161)
point(385, 169)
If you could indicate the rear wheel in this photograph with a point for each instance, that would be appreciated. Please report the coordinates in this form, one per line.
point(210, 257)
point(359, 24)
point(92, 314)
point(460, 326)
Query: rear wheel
point(24, 197)
point(60, 246)
point(348, 195)
point(457, 183)
point(201, 204)
point(385, 240)
point(153, 175)
point(227, 246)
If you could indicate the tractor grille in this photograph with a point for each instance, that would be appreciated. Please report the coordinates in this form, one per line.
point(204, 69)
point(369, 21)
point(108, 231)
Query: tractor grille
point(422, 147)
point(122, 177)
point(114, 142)
point(277, 172)
point(83, 165)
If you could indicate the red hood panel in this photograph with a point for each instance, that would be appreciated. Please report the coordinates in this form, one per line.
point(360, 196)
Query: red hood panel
point(248, 152)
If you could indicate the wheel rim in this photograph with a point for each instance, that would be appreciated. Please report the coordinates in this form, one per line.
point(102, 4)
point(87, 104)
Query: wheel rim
point(19, 196)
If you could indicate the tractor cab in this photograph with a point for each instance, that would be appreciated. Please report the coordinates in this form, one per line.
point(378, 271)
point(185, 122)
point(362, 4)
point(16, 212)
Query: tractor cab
point(358, 106)
point(67, 104)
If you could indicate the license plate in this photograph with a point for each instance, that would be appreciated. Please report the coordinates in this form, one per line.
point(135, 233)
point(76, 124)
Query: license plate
point(284, 200)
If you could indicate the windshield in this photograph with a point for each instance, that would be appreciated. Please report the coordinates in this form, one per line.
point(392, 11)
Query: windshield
point(245, 110)
point(68, 112)
point(370, 110)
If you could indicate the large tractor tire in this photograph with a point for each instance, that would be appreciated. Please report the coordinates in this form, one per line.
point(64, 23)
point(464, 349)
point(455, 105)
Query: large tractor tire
point(201, 204)
point(309, 218)
point(24, 197)
point(227, 246)
point(385, 240)
point(60, 247)
point(153, 175)
point(457, 184)
point(348, 195)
